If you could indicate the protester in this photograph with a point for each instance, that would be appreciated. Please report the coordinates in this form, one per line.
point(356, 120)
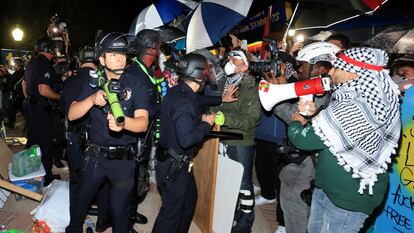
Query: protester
point(404, 72)
point(340, 40)
point(241, 117)
point(270, 159)
point(355, 137)
point(297, 175)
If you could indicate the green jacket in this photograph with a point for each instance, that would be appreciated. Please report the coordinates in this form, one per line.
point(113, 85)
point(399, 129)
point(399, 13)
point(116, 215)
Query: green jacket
point(243, 115)
point(338, 184)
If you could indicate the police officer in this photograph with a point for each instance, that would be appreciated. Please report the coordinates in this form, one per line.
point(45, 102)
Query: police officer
point(75, 133)
point(38, 82)
point(63, 72)
point(71, 91)
point(182, 130)
point(112, 146)
point(147, 48)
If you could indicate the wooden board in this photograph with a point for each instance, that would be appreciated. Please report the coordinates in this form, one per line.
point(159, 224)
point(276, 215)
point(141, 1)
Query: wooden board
point(5, 159)
point(205, 172)
point(17, 189)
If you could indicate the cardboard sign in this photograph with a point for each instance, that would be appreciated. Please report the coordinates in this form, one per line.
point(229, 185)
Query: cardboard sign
point(398, 212)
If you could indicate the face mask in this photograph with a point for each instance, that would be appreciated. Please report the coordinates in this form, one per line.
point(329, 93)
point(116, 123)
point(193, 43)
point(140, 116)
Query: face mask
point(161, 60)
point(243, 44)
point(229, 68)
point(220, 57)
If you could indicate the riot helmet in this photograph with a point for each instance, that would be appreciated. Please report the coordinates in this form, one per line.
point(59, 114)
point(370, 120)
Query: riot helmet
point(46, 45)
point(193, 66)
point(62, 68)
point(147, 38)
point(112, 42)
point(87, 54)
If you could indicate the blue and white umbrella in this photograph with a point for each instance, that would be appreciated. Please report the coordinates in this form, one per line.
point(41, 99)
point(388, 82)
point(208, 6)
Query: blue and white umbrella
point(212, 19)
point(160, 13)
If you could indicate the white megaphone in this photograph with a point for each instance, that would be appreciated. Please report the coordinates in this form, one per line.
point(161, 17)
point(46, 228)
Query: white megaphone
point(272, 94)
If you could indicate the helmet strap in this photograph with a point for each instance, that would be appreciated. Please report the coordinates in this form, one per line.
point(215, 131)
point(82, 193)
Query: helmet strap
point(114, 71)
point(201, 83)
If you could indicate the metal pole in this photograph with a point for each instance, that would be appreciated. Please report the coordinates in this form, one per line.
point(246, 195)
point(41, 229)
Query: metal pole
point(290, 22)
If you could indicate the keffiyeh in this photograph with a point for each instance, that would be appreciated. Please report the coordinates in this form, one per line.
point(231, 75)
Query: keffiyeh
point(361, 126)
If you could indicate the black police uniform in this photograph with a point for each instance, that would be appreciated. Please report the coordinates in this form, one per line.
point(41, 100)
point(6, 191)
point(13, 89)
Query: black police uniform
point(57, 113)
point(39, 128)
point(181, 133)
point(75, 141)
point(154, 96)
point(71, 91)
point(135, 71)
point(109, 156)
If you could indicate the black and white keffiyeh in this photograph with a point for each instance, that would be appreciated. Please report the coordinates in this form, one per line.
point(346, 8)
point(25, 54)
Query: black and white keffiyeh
point(361, 126)
point(234, 79)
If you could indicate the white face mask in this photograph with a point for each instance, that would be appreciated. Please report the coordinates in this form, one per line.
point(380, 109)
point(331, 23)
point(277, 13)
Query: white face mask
point(230, 68)
point(161, 60)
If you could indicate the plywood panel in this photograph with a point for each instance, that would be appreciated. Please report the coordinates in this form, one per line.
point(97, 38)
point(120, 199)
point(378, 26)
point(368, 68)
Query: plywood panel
point(205, 171)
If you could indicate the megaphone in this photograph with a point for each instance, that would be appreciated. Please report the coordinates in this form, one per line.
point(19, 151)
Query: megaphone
point(272, 94)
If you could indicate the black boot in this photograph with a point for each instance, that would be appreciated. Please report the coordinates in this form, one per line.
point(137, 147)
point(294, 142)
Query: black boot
point(102, 225)
point(50, 178)
point(139, 218)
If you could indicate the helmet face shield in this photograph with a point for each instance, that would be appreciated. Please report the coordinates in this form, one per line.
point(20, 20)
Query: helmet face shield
point(212, 73)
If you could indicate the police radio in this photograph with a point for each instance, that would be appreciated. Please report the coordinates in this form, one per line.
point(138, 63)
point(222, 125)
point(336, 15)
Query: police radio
point(112, 88)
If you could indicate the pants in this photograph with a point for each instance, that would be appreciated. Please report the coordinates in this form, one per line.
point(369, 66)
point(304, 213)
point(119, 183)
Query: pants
point(294, 179)
point(14, 105)
point(326, 217)
point(268, 166)
point(75, 157)
point(141, 185)
point(58, 136)
point(97, 172)
point(244, 216)
point(39, 131)
point(179, 199)
point(74, 152)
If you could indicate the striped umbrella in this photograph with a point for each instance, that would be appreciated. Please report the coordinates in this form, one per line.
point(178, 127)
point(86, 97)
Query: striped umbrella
point(212, 19)
point(160, 13)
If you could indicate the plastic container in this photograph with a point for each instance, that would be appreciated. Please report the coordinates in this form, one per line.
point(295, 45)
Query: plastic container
point(26, 161)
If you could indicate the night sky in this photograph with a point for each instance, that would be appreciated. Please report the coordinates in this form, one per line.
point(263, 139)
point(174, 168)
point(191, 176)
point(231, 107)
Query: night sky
point(83, 18)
